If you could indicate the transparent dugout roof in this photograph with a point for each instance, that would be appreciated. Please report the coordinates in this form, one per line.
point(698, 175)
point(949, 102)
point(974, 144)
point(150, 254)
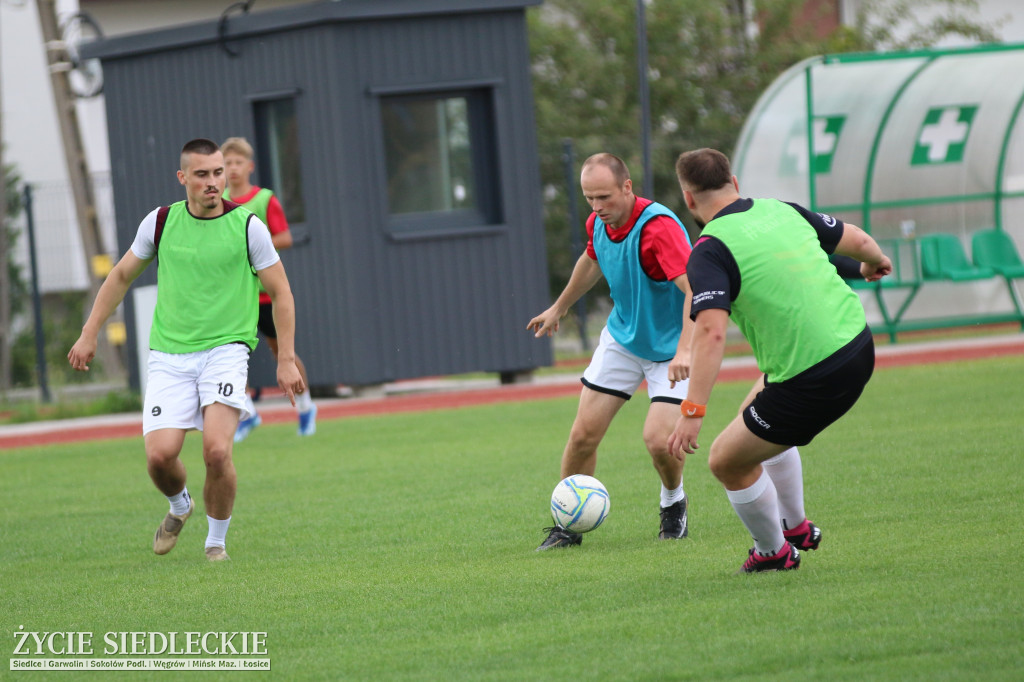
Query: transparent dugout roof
point(924, 141)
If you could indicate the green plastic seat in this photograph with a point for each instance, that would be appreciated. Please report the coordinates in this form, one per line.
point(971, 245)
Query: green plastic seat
point(943, 257)
point(995, 249)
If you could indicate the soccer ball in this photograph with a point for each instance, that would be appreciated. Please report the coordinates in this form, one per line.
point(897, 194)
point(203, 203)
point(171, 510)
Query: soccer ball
point(579, 503)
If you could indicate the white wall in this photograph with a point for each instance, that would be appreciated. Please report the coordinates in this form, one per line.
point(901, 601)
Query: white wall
point(31, 134)
point(32, 143)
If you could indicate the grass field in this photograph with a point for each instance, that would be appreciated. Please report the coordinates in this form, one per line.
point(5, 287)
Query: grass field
point(401, 548)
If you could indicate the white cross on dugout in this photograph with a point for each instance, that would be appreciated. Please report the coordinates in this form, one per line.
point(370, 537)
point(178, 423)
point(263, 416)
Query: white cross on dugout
point(824, 143)
point(938, 136)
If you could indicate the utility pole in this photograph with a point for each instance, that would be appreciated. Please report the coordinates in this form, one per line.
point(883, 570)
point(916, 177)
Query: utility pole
point(645, 97)
point(5, 284)
point(97, 261)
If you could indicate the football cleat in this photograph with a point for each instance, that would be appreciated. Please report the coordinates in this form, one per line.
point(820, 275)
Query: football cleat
point(673, 521)
point(560, 537)
point(167, 532)
point(788, 559)
point(216, 554)
point(804, 536)
point(307, 422)
point(246, 426)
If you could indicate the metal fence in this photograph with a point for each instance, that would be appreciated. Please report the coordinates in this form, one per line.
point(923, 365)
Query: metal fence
point(56, 283)
point(60, 254)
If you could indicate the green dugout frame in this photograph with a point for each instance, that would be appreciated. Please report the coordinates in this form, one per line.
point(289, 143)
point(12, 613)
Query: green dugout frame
point(904, 144)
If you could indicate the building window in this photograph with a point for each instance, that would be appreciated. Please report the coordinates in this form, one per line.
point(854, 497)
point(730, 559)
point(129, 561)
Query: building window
point(440, 160)
point(277, 154)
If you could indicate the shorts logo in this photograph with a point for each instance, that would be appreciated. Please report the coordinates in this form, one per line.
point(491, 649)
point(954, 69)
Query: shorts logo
point(156, 411)
point(757, 418)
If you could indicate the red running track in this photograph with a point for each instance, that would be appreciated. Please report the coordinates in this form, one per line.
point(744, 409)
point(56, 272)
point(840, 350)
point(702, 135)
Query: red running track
point(441, 400)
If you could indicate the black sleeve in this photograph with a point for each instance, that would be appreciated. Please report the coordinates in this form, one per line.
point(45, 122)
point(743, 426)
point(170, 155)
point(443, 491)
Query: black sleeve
point(829, 228)
point(848, 268)
point(714, 276)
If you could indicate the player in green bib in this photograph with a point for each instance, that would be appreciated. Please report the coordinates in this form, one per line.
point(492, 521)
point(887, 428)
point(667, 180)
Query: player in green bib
point(239, 166)
point(764, 264)
point(210, 255)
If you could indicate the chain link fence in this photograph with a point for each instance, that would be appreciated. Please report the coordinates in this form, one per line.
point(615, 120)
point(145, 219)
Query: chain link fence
point(39, 367)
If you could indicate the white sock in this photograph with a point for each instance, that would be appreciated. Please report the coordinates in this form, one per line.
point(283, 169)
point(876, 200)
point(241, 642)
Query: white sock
point(179, 502)
point(787, 474)
point(670, 497)
point(303, 403)
point(218, 532)
point(758, 509)
point(250, 406)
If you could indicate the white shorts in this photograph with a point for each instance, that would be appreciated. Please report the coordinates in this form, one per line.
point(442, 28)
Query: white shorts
point(616, 371)
point(180, 385)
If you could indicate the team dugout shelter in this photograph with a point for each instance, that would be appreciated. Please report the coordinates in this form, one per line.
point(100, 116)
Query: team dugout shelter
point(399, 136)
point(925, 151)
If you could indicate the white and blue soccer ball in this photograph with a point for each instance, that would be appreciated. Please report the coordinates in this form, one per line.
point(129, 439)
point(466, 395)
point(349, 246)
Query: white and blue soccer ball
point(579, 503)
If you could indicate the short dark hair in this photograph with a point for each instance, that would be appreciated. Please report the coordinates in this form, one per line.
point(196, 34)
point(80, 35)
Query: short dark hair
point(703, 169)
point(613, 163)
point(200, 145)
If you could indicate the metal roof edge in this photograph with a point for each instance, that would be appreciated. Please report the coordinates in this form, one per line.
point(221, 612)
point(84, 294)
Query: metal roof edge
point(739, 155)
point(847, 57)
point(284, 18)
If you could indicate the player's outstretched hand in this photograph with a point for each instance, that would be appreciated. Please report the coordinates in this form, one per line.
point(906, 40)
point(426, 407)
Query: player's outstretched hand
point(545, 324)
point(82, 353)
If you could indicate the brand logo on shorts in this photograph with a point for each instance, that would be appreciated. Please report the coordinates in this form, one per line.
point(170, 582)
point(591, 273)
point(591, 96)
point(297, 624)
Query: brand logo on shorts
point(156, 411)
point(757, 418)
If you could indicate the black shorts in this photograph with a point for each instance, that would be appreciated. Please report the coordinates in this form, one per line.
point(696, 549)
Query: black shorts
point(794, 411)
point(265, 323)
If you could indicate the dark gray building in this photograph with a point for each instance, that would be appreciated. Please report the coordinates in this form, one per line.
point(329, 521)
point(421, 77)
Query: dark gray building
point(399, 135)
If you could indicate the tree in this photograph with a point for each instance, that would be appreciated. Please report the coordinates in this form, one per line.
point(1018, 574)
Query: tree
point(913, 24)
point(708, 62)
point(13, 290)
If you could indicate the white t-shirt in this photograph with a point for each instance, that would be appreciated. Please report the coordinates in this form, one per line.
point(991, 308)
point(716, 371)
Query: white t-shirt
point(262, 253)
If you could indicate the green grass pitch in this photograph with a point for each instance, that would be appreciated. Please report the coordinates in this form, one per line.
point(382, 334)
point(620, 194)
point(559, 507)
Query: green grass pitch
point(401, 547)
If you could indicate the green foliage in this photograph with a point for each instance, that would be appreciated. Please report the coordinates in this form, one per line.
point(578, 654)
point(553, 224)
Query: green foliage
point(15, 272)
point(914, 24)
point(14, 286)
point(61, 327)
point(707, 65)
point(114, 402)
point(400, 547)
